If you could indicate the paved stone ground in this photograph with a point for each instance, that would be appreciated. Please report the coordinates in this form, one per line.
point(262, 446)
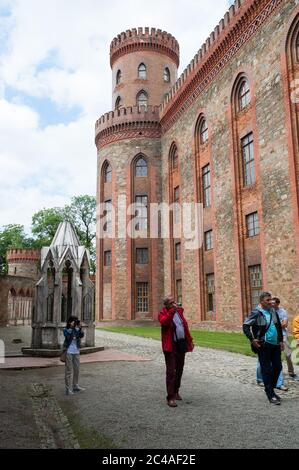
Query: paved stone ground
point(222, 406)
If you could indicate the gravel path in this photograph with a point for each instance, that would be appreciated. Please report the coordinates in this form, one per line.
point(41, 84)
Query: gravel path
point(222, 407)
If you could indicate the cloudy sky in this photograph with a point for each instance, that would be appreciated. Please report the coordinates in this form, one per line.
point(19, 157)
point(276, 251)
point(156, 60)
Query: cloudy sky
point(55, 81)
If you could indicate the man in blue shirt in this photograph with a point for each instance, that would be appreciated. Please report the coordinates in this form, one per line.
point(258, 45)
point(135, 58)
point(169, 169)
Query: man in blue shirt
point(263, 329)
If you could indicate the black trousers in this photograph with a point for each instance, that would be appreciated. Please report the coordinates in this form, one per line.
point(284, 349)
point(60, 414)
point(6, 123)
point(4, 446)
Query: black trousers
point(270, 361)
point(174, 361)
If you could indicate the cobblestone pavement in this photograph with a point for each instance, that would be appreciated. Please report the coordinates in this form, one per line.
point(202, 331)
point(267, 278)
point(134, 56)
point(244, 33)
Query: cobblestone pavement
point(222, 407)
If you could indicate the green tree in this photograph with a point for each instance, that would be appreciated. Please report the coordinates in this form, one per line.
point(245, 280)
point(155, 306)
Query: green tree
point(45, 223)
point(12, 236)
point(82, 214)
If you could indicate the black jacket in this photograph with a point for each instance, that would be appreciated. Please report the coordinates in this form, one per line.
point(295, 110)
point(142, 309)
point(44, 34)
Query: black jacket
point(255, 326)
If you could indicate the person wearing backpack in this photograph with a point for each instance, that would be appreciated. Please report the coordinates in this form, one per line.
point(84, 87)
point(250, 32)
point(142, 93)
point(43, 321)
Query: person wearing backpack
point(264, 331)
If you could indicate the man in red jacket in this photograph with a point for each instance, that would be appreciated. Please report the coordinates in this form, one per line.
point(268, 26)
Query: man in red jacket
point(176, 341)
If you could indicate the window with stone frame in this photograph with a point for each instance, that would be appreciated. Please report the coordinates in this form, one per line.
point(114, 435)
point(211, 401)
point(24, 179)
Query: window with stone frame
point(256, 284)
point(118, 77)
point(210, 280)
point(141, 255)
point(249, 177)
point(252, 224)
point(179, 297)
point(244, 97)
point(108, 216)
point(108, 173)
point(142, 71)
point(141, 168)
point(177, 209)
point(117, 102)
point(203, 132)
point(141, 218)
point(142, 98)
point(209, 240)
point(166, 75)
point(177, 249)
point(107, 258)
point(206, 185)
point(175, 159)
point(142, 300)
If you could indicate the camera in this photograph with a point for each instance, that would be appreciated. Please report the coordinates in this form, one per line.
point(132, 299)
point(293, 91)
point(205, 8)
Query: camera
point(77, 322)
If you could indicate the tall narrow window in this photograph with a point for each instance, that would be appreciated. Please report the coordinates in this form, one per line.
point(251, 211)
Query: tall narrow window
point(142, 99)
point(117, 102)
point(179, 296)
point(175, 159)
point(142, 71)
point(209, 240)
point(108, 214)
point(108, 174)
point(118, 77)
point(248, 160)
point(203, 132)
point(256, 284)
point(178, 252)
point(206, 185)
point(244, 95)
point(210, 292)
point(141, 255)
point(107, 258)
point(141, 213)
point(176, 200)
point(141, 167)
point(252, 224)
point(142, 297)
point(166, 75)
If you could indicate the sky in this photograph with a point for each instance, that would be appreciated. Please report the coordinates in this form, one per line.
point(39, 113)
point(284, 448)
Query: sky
point(55, 82)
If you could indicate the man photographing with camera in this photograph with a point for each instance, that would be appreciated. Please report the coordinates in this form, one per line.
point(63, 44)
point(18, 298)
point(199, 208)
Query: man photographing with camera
point(176, 341)
point(72, 342)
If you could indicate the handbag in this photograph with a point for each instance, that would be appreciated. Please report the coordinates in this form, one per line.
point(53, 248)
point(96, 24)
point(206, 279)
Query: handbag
point(63, 356)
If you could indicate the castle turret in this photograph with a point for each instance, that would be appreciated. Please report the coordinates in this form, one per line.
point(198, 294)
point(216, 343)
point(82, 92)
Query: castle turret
point(129, 279)
point(23, 262)
point(144, 66)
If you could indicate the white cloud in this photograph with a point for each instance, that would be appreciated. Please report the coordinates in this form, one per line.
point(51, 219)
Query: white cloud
point(59, 50)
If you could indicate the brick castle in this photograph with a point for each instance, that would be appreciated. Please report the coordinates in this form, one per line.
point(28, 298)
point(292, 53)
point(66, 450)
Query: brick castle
point(223, 134)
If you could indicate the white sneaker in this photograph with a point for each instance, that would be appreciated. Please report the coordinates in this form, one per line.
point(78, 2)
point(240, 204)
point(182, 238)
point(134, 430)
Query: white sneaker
point(78, 389)
point(69, 392)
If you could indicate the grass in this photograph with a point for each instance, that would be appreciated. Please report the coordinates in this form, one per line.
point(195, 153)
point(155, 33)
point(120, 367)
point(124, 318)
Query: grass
point(88, 437)
point(233, 342)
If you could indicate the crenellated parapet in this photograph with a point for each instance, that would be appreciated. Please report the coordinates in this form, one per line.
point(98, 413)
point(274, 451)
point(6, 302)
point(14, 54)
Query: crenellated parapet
point(23, 254)
point(239, 24)
point(144, 39)
point(127, 123)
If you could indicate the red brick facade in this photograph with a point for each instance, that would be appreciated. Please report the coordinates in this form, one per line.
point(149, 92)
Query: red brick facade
point(225, 135)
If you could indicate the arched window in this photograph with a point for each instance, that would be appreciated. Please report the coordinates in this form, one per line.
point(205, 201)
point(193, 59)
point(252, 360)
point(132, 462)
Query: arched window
point(117, 102)
point(142, 98)
point(118, 77)
point(141, 167)
point(142, 71)
point(108, 173)
point(244, 95)
point(203, 132)
point(166, 75)
point(174, 157)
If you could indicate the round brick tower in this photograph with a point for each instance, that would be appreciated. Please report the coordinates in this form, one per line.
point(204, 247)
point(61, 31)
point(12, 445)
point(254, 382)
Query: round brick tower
point(144, 66)
point(129, 280)
point(23, 262)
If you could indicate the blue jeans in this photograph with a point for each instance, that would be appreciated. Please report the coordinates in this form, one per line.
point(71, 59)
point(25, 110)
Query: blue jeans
point(259, 377)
